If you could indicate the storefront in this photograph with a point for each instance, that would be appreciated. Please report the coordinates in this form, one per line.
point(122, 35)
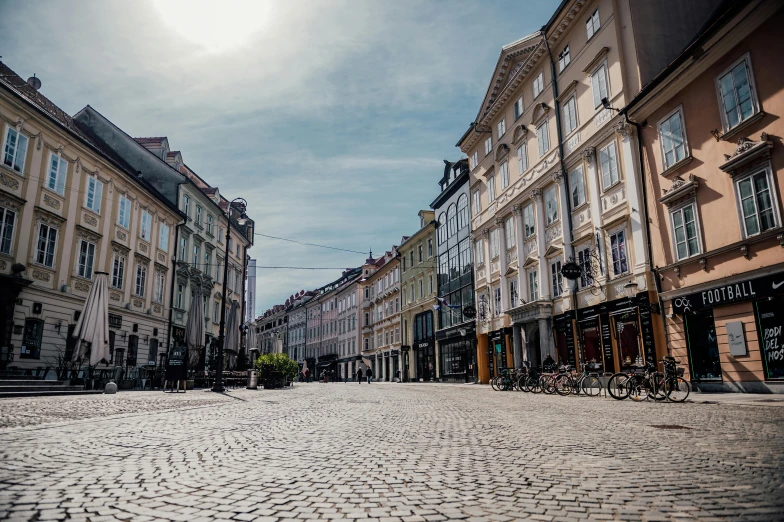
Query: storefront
point(733, 334)
point(457, 353)
point(618, 333)
point(426, 360)
point(564, 336)
point(499, 352)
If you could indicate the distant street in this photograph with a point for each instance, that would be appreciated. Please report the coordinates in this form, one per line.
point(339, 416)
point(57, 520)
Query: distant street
point(386, 452)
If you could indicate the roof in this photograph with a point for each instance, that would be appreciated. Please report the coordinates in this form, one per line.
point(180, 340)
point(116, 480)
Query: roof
point(172, 153)
point(157, 139)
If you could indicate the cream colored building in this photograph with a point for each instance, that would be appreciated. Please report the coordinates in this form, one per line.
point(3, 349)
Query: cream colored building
point(71, 209)
point(419, 298)
point(380, 286)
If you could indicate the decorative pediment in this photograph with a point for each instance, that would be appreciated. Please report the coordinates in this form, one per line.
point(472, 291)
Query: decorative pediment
point(567, 91)
point(48, 218)
point(119, 248)
point(520, 132)
point(501, 151)
point(680, 190)
point(87, 234)
point(596, 59)
point(510, 270)
point(553, 250)
point(141, 259)
point(531, 261)
point(749, 154)
point(489, 171)
point(11, 202)
point(539, 112)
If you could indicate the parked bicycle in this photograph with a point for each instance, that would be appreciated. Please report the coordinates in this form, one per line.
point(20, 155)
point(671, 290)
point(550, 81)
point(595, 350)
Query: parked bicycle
point(643, 383)
point(588, 381)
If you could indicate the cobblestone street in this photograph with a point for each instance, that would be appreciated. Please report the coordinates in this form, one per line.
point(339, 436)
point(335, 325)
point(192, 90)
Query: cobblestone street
point(386, 452)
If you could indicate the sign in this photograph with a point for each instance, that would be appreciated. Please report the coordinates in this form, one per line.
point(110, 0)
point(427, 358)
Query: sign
point(770, 324)
point(746, 290)
point(736, 338)
point(606, 334)
point(115, 321)
point(176, 369)
point(571, 270)
point(469, 311)
point(31, 340)
point(563, 324)
point(646, 330)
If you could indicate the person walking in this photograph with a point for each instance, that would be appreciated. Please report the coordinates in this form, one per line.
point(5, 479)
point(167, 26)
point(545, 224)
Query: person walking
point(359, 375)
point(369, 374)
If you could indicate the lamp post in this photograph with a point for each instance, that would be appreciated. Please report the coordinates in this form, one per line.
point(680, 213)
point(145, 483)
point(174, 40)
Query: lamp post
point(240, 205)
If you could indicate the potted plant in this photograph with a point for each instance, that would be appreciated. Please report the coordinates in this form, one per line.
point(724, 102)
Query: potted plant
point(275, 369)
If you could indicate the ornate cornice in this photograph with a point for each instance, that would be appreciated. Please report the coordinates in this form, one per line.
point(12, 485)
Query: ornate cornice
point(748, 155)
point(589, 155)
point(680, 190)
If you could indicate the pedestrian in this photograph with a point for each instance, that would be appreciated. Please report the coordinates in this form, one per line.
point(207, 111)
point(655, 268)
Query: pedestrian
point(359, 375)
point(307, 374)
point(369, 374)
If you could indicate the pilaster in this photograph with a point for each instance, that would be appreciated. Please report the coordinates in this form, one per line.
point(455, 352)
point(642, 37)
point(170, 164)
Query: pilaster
point(628, 148)
point(499, 223)
point(544, 290)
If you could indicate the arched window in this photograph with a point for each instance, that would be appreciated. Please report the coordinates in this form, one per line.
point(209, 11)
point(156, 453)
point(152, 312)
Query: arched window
point(441, 228)
point(451, 217)
point(462, 212)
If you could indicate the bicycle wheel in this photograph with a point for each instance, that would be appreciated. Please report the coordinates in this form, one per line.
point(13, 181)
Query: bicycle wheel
point(638, 388)
point(564, 385)
point(677, 389)
point(547, 384)
point(616, 386)
point(522, 383)
point(494, 383)
point(592, 386)
point(532, 383)
point(659, 391)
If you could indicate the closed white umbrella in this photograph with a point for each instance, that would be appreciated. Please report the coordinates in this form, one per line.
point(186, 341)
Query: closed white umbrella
point(93, 324)
point(232, 335)
point(194, 328)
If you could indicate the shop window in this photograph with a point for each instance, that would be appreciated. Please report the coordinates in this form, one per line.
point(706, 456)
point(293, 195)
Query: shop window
point(757, 207)
point(627, 334)
point(592, 344)
point(561, 351)
point(770, 321)
point(703, 346)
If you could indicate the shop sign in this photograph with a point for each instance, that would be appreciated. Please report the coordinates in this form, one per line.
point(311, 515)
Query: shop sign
point(424, 344)
point(770, 320)
point(469, 311)
point(563, 324)
point(178, 335)
point(609, 362)
point(176, 369)
point(571, 270)
point(739, 292)
point(115, 321)
point(646, 331)
point(736, 338)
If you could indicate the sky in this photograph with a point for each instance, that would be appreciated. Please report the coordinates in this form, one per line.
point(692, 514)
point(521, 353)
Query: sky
point(331, 118)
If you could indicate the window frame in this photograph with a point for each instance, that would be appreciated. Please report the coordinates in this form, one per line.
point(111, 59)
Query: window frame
point(774, 202)
point(7, 238)
point(610, 235)
point(556, 277)
point(146, 217)
point(476, 200)
point(488, 145)
point(475, 159)
point(596, 24)
point(495, 243)
point(698, 232)
point(163, 244)
point(501, 128)
point(546, 135)
point(46, 252)
point(160, 277)
point(490, 188)
point(15, 157)
point(752, 92)
point(118, 271)
point(686, 151)
point(519, 108)
point(141, 270)
point(607, 95)
point(606, 187)
point(551, 193)
point(95, 186)
point(463, 218)
point(85, 261)
point(58, 183)
point(564, 58)
point(572, 126)
point(503, 169)
point(533, 285)
point(509, 231)
point(581, 185)
point(124, 212)
point(525, 221)
point(538, 83)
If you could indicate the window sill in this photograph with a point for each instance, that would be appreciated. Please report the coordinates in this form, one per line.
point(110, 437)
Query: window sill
point(608, 189)
point(580, 207)
point(6, 168)
point(742, 126)
point(669, 171)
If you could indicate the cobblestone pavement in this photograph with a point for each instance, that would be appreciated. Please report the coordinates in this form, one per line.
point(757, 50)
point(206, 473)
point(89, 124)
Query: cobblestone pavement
point(386, 452)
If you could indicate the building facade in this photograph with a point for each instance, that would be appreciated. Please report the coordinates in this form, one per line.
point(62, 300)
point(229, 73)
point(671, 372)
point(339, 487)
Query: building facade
point(419, 353)
point(381, 315)
point(349, 336)
point(69, 210)
point(298, 326)
point(716, 171)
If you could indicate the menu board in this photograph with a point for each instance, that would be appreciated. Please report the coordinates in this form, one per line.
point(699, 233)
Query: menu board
point(609, 363)
point(770, 321)
point(646, 329)
point(563, 325)
point(31, 341)
point(176, 367)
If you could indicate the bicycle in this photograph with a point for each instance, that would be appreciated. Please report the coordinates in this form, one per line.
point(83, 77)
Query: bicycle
point(505, 381)
point(674, 386)
point(588, 382)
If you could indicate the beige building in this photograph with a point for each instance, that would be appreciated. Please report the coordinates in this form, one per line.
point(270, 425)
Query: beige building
point(419, 297)
point(69, 209)
point(381, 343)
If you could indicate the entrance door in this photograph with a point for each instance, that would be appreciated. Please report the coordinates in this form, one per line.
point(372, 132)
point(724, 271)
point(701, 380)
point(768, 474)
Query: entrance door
point(592, 344)
point(627, 333)
point(703, 346)
point(533, 348)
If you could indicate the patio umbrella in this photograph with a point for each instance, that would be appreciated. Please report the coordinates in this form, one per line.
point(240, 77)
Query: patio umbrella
point(232, 336)
point(194, 328)
point(93, 324)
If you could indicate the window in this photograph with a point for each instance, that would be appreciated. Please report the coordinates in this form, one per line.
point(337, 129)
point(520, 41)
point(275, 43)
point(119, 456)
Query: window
point(58, 170)
point(577, 183)
point(118, 271)
point(196, 254)
point(462, 219)
point(186, 205)
point(510, 232)
point(513, 292)
point(599, 85)
point(529, 221)
point(518, 107)
point(522, 159)
point(497, 301)
point(183, 248)
point(141, 279)
point(92, 199)
point(207, 259)
point(124, 212)
point(7, 222)
point(684, 231)
point(592, 24)
point(474, 159)
point(451, 218)
point(618, 248)
point(756, 203)
point(542, 139)
point(504, 168)
point(737, 99)
point(160, 282)
point(533, 286)
point(421, 288)
point(181, 297)
point(476, 203)
point(403, 263)
point(494, 246)
point(198, 215)
point(209, 224)
point(673, 139)
point(47, 241)
point(570, 115)
point(551, 204)
point(538, 84)
point(411, 258)
point(564, 59)
point(479, 245)
point(430, 284)
point(608, 163)
point(421, 252)
point(15, 149)
point(555, 271)
point(405, 300)
point(86, 259)
point(163, 238)
point(491, 188)
point(145, 232)
point(501, 128)
point(586, 269)
point(488, 145)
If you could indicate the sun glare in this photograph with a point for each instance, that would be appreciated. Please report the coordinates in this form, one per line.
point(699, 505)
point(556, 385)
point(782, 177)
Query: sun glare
point(215, 26)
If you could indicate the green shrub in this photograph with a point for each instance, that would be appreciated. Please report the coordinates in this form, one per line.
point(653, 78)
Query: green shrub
point(276, 362)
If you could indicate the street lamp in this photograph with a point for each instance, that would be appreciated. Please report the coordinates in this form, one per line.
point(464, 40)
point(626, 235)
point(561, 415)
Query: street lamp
point(240, 205)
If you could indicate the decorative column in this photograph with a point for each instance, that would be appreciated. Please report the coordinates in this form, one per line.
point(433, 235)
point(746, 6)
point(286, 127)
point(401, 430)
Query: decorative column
point(633, 194)
point(517, 341)
point(522, 283)
point(502, 264)
point(544, 339)
point(544, 290)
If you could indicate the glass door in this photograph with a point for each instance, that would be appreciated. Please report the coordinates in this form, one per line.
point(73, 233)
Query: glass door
point(592, 344)
point(703, 346)
point(627, 334)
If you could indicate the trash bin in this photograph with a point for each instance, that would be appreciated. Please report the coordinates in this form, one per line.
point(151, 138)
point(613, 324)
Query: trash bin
point(253, 379)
